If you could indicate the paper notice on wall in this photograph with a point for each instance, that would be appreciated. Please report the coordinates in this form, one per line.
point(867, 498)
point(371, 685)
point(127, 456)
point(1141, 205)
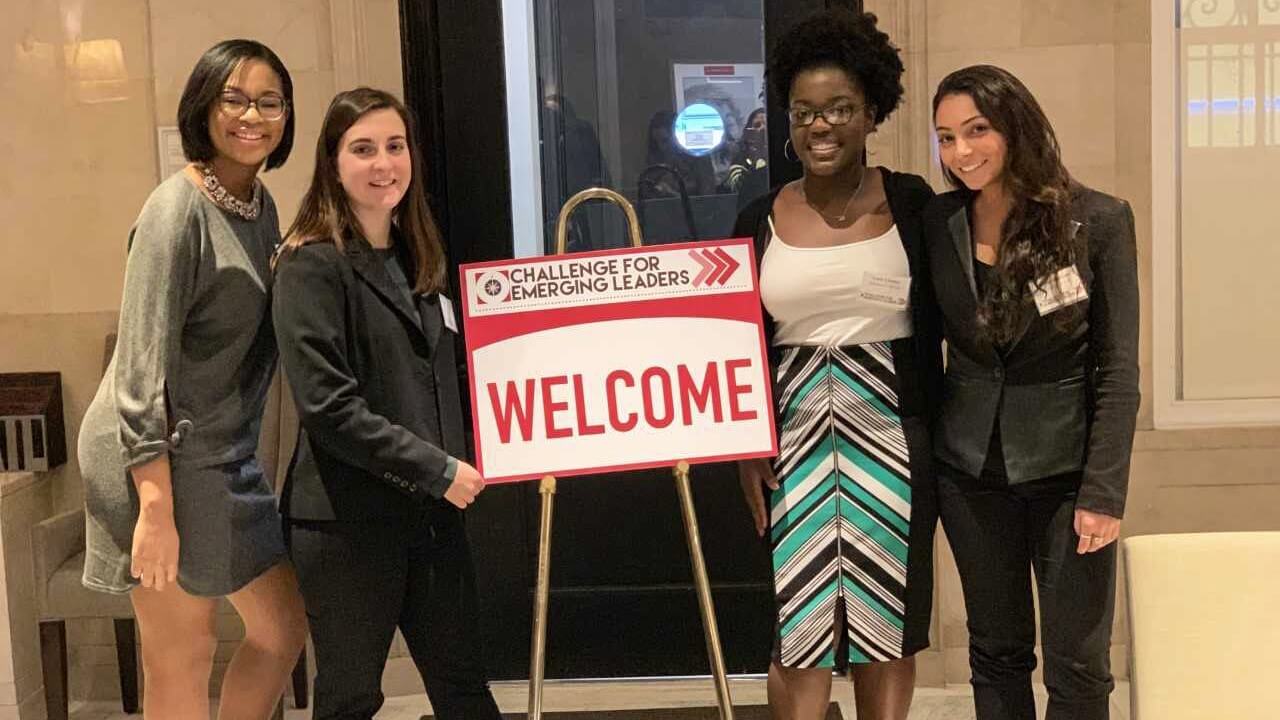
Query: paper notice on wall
point(169, 151)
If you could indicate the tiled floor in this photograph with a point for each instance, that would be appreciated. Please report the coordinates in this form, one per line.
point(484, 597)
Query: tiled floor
point(953, 703)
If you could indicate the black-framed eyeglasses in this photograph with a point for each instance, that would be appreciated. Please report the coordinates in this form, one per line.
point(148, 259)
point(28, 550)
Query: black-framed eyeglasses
point(234, 103)
point(834, 115)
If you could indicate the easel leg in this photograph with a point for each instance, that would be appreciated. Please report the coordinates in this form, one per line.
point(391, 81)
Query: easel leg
point(541, 599)
point(714, 653)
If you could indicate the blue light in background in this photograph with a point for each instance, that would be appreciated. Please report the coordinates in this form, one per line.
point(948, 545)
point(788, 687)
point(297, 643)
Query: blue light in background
point(1227, 106)
point(699, 129)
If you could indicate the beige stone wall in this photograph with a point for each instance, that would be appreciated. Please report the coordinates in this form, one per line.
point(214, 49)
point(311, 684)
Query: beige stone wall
point(76, 172)
point(1088, 63)
point(80, 155)
point(79, 147)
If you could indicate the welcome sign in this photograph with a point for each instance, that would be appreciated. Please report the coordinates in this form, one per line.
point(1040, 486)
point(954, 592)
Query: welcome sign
point(617, 360)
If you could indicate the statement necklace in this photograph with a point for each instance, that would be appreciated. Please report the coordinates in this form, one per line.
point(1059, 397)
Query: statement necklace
point(225, 200)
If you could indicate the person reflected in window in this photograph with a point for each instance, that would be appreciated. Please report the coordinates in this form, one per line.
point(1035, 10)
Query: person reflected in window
point(1037, 278)
point(723, 155)
point(749, 174)
point(849, 503)
point(663, 149)
point(754, 149)
point(582, 166)
point(579, 146)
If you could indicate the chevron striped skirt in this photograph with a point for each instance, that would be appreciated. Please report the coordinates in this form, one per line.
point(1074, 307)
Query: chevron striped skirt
point(841, 519)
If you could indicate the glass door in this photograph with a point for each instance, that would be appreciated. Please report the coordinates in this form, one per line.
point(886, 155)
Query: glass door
point(660, 100)
point(656, 99)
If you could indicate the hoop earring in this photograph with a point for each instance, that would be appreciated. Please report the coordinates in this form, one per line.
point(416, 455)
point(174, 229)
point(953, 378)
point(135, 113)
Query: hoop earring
point(787, 145)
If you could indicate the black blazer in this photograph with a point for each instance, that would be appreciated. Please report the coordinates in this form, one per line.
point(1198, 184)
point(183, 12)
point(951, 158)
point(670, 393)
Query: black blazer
point(376, 384)
point(1066, 399)
point(918, 359)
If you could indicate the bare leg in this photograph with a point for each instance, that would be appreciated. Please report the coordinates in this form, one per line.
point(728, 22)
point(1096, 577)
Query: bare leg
point(883, 690)
point(779, 699)
point(275, 629)
point(177, 652)
point(799, 693)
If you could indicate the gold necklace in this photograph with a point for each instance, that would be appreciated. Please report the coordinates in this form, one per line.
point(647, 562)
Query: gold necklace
point(847, 203)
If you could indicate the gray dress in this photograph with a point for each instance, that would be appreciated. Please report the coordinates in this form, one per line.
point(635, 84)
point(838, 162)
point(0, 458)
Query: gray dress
point(189, 378)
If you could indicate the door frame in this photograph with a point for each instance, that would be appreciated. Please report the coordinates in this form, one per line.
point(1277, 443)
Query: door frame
point(456, 89)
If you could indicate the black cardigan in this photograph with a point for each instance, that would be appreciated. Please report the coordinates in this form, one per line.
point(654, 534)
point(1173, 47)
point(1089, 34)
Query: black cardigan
point(1067, 397)
point(917, 359)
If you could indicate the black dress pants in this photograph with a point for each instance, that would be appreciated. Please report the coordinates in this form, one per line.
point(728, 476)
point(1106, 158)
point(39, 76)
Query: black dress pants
point(999, 533)
point(361, 581)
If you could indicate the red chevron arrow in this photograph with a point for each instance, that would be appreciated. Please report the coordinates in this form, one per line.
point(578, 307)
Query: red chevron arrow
point(731, 265)
point(706, 267)
point(719, 266)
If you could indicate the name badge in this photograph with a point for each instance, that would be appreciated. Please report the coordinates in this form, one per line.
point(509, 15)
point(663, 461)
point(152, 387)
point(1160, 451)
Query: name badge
point(1067, 290)
point(446, 311)
point(887, 290)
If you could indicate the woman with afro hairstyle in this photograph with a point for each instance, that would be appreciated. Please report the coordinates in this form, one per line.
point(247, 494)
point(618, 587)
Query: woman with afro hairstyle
point(850, 509)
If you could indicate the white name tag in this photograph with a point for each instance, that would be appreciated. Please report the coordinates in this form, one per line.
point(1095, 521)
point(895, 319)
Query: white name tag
point(1068, 290)
point(888, 290)
point(446, 311)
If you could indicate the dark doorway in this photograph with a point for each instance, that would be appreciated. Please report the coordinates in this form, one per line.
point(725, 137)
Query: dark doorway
point(622, 601)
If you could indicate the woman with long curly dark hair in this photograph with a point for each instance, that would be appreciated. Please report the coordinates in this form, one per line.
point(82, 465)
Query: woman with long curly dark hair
point(855, 353)
point(1036, 276)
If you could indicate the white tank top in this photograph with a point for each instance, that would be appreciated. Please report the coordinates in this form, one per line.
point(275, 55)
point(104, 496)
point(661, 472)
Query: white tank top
point(815, 294)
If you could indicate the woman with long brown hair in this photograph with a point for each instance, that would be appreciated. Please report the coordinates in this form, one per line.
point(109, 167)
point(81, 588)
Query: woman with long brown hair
point(1036, 277)
point(375, 492)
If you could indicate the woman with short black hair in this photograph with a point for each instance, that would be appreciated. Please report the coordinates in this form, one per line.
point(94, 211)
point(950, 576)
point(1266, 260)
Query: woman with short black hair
point(179, 513)
point(856, 359)
point(207, 86)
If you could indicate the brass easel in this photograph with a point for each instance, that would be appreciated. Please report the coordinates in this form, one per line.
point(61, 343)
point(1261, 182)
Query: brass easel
point(547, 489)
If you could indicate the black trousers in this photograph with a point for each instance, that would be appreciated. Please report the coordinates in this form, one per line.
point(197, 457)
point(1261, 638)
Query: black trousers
point(998, 534)
point(361, 581)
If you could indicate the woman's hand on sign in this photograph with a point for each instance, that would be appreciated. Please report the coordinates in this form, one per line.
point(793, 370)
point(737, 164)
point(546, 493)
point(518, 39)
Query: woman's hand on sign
point(754, 475)
point(467, 484)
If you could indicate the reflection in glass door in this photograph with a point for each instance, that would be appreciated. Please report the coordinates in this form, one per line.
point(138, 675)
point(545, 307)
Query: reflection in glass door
point(661, 100)
point(658, 100)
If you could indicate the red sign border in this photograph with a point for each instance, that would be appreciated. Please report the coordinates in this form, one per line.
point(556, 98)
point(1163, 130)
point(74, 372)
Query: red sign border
point(464, 298)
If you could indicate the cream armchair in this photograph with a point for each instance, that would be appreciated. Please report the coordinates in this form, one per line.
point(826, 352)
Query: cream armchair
point(1204, 624)
point(58, 546)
